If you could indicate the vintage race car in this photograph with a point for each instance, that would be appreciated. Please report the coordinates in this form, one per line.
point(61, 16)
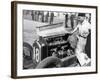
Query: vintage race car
point(52, 48)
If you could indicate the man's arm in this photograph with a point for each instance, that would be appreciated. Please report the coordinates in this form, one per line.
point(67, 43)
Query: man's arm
point(72, 31)
point(75, 29)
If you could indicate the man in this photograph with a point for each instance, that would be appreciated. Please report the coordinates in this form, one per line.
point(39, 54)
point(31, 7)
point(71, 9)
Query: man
point(32, 14)
point(83, 27)
point(51, 17)
point(47, 17)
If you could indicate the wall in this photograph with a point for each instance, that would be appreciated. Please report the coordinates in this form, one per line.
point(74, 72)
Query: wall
point(5, 40)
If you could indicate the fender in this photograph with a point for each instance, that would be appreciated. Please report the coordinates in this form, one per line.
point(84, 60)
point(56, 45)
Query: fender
point(47, 62)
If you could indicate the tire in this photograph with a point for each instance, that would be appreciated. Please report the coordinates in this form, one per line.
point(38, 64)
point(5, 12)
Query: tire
point(50, 62)
point(27, 51)
point(28, 62)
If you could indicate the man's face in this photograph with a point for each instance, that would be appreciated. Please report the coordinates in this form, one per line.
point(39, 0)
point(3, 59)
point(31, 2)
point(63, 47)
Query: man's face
point(81, 18)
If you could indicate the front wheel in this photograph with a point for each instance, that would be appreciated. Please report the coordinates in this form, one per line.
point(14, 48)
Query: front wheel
point(27, 50)
point(27, 56)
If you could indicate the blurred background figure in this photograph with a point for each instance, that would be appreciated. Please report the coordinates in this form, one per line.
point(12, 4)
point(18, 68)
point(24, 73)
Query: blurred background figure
point(42, 14)
point(68, 20)
point(74, 21)
point(33, 15)
point(71, 20)
point(51, 18)
point(47, 17)
point(39, 16)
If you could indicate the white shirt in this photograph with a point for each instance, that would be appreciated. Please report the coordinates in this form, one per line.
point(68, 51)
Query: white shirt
point(84, 28)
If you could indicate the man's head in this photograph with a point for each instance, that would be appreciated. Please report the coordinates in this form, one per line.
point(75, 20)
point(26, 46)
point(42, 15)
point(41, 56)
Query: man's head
point(81, 17)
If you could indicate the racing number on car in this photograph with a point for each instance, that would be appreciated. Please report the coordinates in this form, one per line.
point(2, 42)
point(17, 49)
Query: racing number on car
point(36, 54)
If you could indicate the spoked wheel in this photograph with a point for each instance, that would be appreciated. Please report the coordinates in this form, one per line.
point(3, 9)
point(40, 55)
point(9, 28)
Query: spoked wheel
point(27, 56)
point(27, 51)
point(50, 62)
